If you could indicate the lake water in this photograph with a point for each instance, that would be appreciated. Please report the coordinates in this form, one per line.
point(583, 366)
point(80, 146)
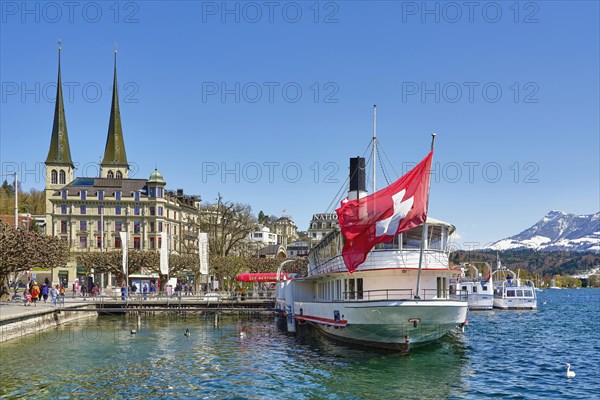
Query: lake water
point(503, 354)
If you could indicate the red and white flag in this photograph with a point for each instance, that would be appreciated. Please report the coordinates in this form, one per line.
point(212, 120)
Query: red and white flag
point(377, 218)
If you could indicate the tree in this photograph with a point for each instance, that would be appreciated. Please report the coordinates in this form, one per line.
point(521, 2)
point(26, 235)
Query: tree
point(228, 225)
point(22, 250)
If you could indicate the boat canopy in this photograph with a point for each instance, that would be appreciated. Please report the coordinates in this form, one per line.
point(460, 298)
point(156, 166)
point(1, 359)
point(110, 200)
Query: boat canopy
point(260, 277)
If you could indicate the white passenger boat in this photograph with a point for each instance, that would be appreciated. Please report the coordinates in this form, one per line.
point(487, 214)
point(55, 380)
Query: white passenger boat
point(510, 293)
point(479, 290)
point(397, 298)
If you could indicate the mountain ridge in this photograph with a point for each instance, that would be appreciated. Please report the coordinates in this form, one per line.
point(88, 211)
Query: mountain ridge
point(557, 230)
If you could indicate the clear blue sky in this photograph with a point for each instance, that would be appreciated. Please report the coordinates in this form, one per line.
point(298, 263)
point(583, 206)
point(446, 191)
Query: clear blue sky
point(509, 89)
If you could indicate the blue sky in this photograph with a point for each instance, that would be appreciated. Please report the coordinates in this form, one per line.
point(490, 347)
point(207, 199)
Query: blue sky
point(264, 102)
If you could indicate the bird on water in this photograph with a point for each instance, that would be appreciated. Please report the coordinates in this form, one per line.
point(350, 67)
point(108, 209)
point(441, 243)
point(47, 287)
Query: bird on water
point(133, 331)
point(570, 374)
point(187, 333)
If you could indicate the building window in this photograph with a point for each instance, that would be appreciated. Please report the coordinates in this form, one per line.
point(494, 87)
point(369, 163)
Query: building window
point(119, 175)
point(54, 176)
point(152, 192)
point(159, 192)
point(118, 210)
point(62, 177)
point(100, 226)
point(63, 226)
point(151, 226)
point(136, 243)
point(152, 211)
point(160, 211)
point(118, 195)
point(63, 209)
point(137, 226)
point(136, 196)
point(83, 226)
point(83, 194)
point(174, 230)
point(99, 241)
point(117, 242)
point(83, 242)
point(118, 226)
point(152, 244)
point(100, 209)
point(101, 195)
point(136, 210)
point(64, 194)
point(160, 243)
point(110, 175)
point(82, 210)
point(160, 226)
point(174, 214)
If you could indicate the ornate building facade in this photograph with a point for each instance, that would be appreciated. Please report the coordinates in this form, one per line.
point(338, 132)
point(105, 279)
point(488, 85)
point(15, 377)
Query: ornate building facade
point(90, 212)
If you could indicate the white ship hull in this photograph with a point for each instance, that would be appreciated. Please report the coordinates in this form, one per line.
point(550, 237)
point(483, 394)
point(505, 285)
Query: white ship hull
point(515, 303)
point(396, 325)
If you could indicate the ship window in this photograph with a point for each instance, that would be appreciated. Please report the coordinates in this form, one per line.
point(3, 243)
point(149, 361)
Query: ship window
point(528, 293)
point(474, 289)
point(464, 288)
point(519, 293)
point(510, 293)
point(484, 288)
point(439, 287)
point(359, 288)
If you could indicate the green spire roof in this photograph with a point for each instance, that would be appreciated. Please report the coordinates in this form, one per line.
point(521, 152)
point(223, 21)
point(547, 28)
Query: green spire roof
point(156, 177)
point(114, 153)
point(60, 152)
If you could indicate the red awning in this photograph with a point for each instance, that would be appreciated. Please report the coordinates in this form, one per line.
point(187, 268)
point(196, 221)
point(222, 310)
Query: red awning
point(261, 277)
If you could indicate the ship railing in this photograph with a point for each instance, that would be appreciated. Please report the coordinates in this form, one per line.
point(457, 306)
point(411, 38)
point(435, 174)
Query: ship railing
point(404, 294)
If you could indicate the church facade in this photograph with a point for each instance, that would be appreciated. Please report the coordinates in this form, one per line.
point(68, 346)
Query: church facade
point(92, 213)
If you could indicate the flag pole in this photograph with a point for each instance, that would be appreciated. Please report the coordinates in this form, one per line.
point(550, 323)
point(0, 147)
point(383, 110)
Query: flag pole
point(374, 156)
point(424, 234)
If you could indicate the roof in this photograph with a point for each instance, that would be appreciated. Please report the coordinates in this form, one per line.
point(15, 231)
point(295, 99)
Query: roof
point(156, 177)
point(114, 152)
point(60, 151)
point(109, 186)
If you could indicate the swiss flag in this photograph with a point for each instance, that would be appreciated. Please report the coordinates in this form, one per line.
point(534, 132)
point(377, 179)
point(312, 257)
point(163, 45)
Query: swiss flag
point(380, 216)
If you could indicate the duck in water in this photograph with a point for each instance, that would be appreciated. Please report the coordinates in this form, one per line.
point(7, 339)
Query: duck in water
point(187, 333)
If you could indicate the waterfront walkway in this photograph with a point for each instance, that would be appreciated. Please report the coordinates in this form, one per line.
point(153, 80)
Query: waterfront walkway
point(15, 310)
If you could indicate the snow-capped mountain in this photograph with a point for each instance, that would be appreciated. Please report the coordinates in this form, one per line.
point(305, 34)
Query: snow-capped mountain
point(557, 231)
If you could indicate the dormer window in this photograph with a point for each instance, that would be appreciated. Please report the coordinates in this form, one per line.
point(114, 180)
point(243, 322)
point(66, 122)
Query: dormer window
point(101, 195)
point(118, 195)
point(64, 194)
point(136, 196)
point(83, 194)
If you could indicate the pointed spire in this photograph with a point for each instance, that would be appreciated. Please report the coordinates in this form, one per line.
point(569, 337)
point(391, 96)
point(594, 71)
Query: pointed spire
point(114, 152)
point(60, 151)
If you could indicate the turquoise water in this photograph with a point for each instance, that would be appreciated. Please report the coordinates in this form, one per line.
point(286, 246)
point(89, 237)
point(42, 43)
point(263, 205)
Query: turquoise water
point(502, 354)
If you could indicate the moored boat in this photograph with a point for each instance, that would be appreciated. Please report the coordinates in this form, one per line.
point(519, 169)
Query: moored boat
point(397, 294)
point(479, 290)
point(510, 293)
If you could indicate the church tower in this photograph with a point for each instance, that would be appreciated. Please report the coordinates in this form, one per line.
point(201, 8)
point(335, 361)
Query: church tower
point(59, 166)
point(114, 164)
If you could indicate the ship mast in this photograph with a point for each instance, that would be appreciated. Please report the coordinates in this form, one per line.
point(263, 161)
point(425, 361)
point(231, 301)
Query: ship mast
point(374, 155)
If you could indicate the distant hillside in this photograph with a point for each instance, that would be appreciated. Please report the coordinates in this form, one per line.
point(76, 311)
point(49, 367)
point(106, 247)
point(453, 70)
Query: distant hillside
point(544, 263)
point(557, 231)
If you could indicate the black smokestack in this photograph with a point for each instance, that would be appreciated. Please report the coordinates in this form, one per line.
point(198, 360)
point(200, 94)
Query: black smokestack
point(357, 174)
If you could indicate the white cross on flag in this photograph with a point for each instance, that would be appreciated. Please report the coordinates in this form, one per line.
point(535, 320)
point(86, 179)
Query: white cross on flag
point(377, 218)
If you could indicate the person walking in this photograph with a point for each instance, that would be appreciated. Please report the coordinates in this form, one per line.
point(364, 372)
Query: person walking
point(35, 293)
point(145, 291)
point(61, 293)
point(83, 291)
point(45, 290)
point(54, 295)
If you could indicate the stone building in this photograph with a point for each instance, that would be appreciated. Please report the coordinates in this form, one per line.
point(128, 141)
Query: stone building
point(90, 212)
point(321, 224)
